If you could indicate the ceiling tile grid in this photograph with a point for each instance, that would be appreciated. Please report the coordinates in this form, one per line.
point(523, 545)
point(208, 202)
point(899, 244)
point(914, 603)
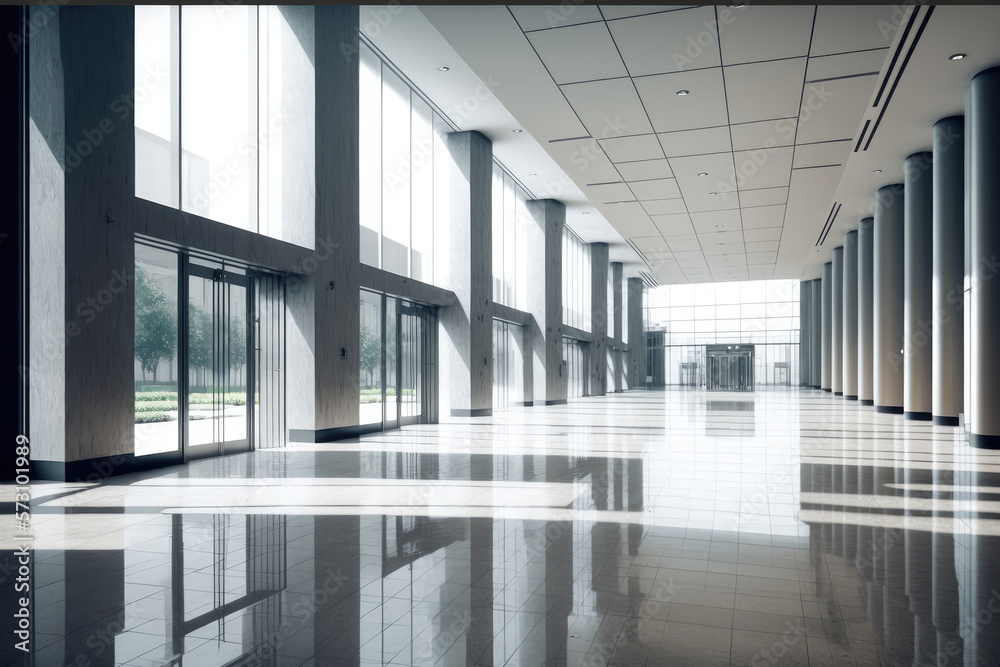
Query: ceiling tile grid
point(705, 113)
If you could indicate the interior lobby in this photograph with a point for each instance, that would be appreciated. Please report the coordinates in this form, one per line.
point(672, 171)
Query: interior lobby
point(501, 335)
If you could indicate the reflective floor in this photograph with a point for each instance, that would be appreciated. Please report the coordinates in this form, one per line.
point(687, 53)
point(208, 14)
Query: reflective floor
point(660, 528)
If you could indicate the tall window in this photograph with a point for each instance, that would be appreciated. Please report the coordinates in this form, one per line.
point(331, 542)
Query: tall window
point(510, 216)
point(225, 115)
point(403, 172)
point(576, 281)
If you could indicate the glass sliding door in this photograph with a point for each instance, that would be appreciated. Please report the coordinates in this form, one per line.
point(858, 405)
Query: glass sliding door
point(398, 380)
point(218, 373)
point(413, 356)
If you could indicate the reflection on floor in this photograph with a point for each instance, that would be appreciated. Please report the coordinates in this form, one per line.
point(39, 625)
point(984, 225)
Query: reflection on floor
point(669, 528)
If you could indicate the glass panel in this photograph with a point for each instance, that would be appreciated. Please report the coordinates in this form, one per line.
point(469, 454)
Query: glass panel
point(203, 343)
point(234, 397)
point(156, 136)
point(371, 358)
point(391, 352)
point(218, 112)
point(370, 138)
point(287, 124)
point(422, 175)
point(395, 174)
point(156, 336)
point(498, 230)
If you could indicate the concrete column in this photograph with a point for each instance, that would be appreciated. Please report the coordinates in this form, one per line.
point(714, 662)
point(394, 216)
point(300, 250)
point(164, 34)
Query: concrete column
point(81, 231)
point(947, 384)
point(599, 318)
point(984, 142)
point(636, 336)
point(866, 312)
point(888, 300)
point(816, 333)
point(837, 322)
point(918, 260)
point(323, 348)
point(826, 380)
point(466, 343)
point(850, 349)
point(805, 295)
point(617, 269)
point(544, 246)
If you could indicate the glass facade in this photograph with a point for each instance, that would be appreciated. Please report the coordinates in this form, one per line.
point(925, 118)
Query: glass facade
point(404, 170)
point(764, 313)
point(234, 142)
point(575, 281)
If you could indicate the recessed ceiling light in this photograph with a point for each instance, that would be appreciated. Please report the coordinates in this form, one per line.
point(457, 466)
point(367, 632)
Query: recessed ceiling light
point(712, 194)
point(703, 173)
point(718, 226)
point(682, 93)
point(956, 56)
point(876, 171)
point(517, 131)
point(532, 174)
point(443, 68)
point(586, 213)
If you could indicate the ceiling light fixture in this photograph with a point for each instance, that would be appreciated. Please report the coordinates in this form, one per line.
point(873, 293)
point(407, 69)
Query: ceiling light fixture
point(712, 194)
point(532, 174)
point(586, 213)
point(876, 171)
point(682, 93)
point(719, 226)
point(443, 68)
point(517, 131)
point(703, 173)
point(956, 56)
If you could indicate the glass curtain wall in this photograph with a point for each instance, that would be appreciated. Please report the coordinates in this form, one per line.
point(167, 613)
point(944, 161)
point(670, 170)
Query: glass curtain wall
point(404, 168)
point(575, 361)
point(232, 142)
point(576, 281)
point(764, 313)
point(508, 369)
point(371, 358)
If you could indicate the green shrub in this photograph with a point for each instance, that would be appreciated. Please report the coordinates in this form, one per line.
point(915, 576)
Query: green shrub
point(155, 406)
point(156, 396)
point(152, 417)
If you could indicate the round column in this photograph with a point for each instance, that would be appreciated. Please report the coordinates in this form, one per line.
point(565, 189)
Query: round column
point(850, 317)
point(805, 295)
point(837, 320)
point(888, 299)
point(827, 341)
point(984, 148)
point(917, 261)
point(866, 313)
point(816, 333)
point(947, 385)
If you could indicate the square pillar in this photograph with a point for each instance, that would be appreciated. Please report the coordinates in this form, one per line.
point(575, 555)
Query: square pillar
point(636, 336)
point(544, 266)
point(617, 270)
point(464, 266)
point(599, 318)
point(324, 303)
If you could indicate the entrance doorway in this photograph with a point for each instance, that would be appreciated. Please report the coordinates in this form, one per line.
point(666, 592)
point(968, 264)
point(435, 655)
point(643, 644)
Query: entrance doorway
point(729, 367)
point(398, 370)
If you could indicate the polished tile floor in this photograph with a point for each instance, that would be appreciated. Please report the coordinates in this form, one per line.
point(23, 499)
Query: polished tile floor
point(645, 528)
